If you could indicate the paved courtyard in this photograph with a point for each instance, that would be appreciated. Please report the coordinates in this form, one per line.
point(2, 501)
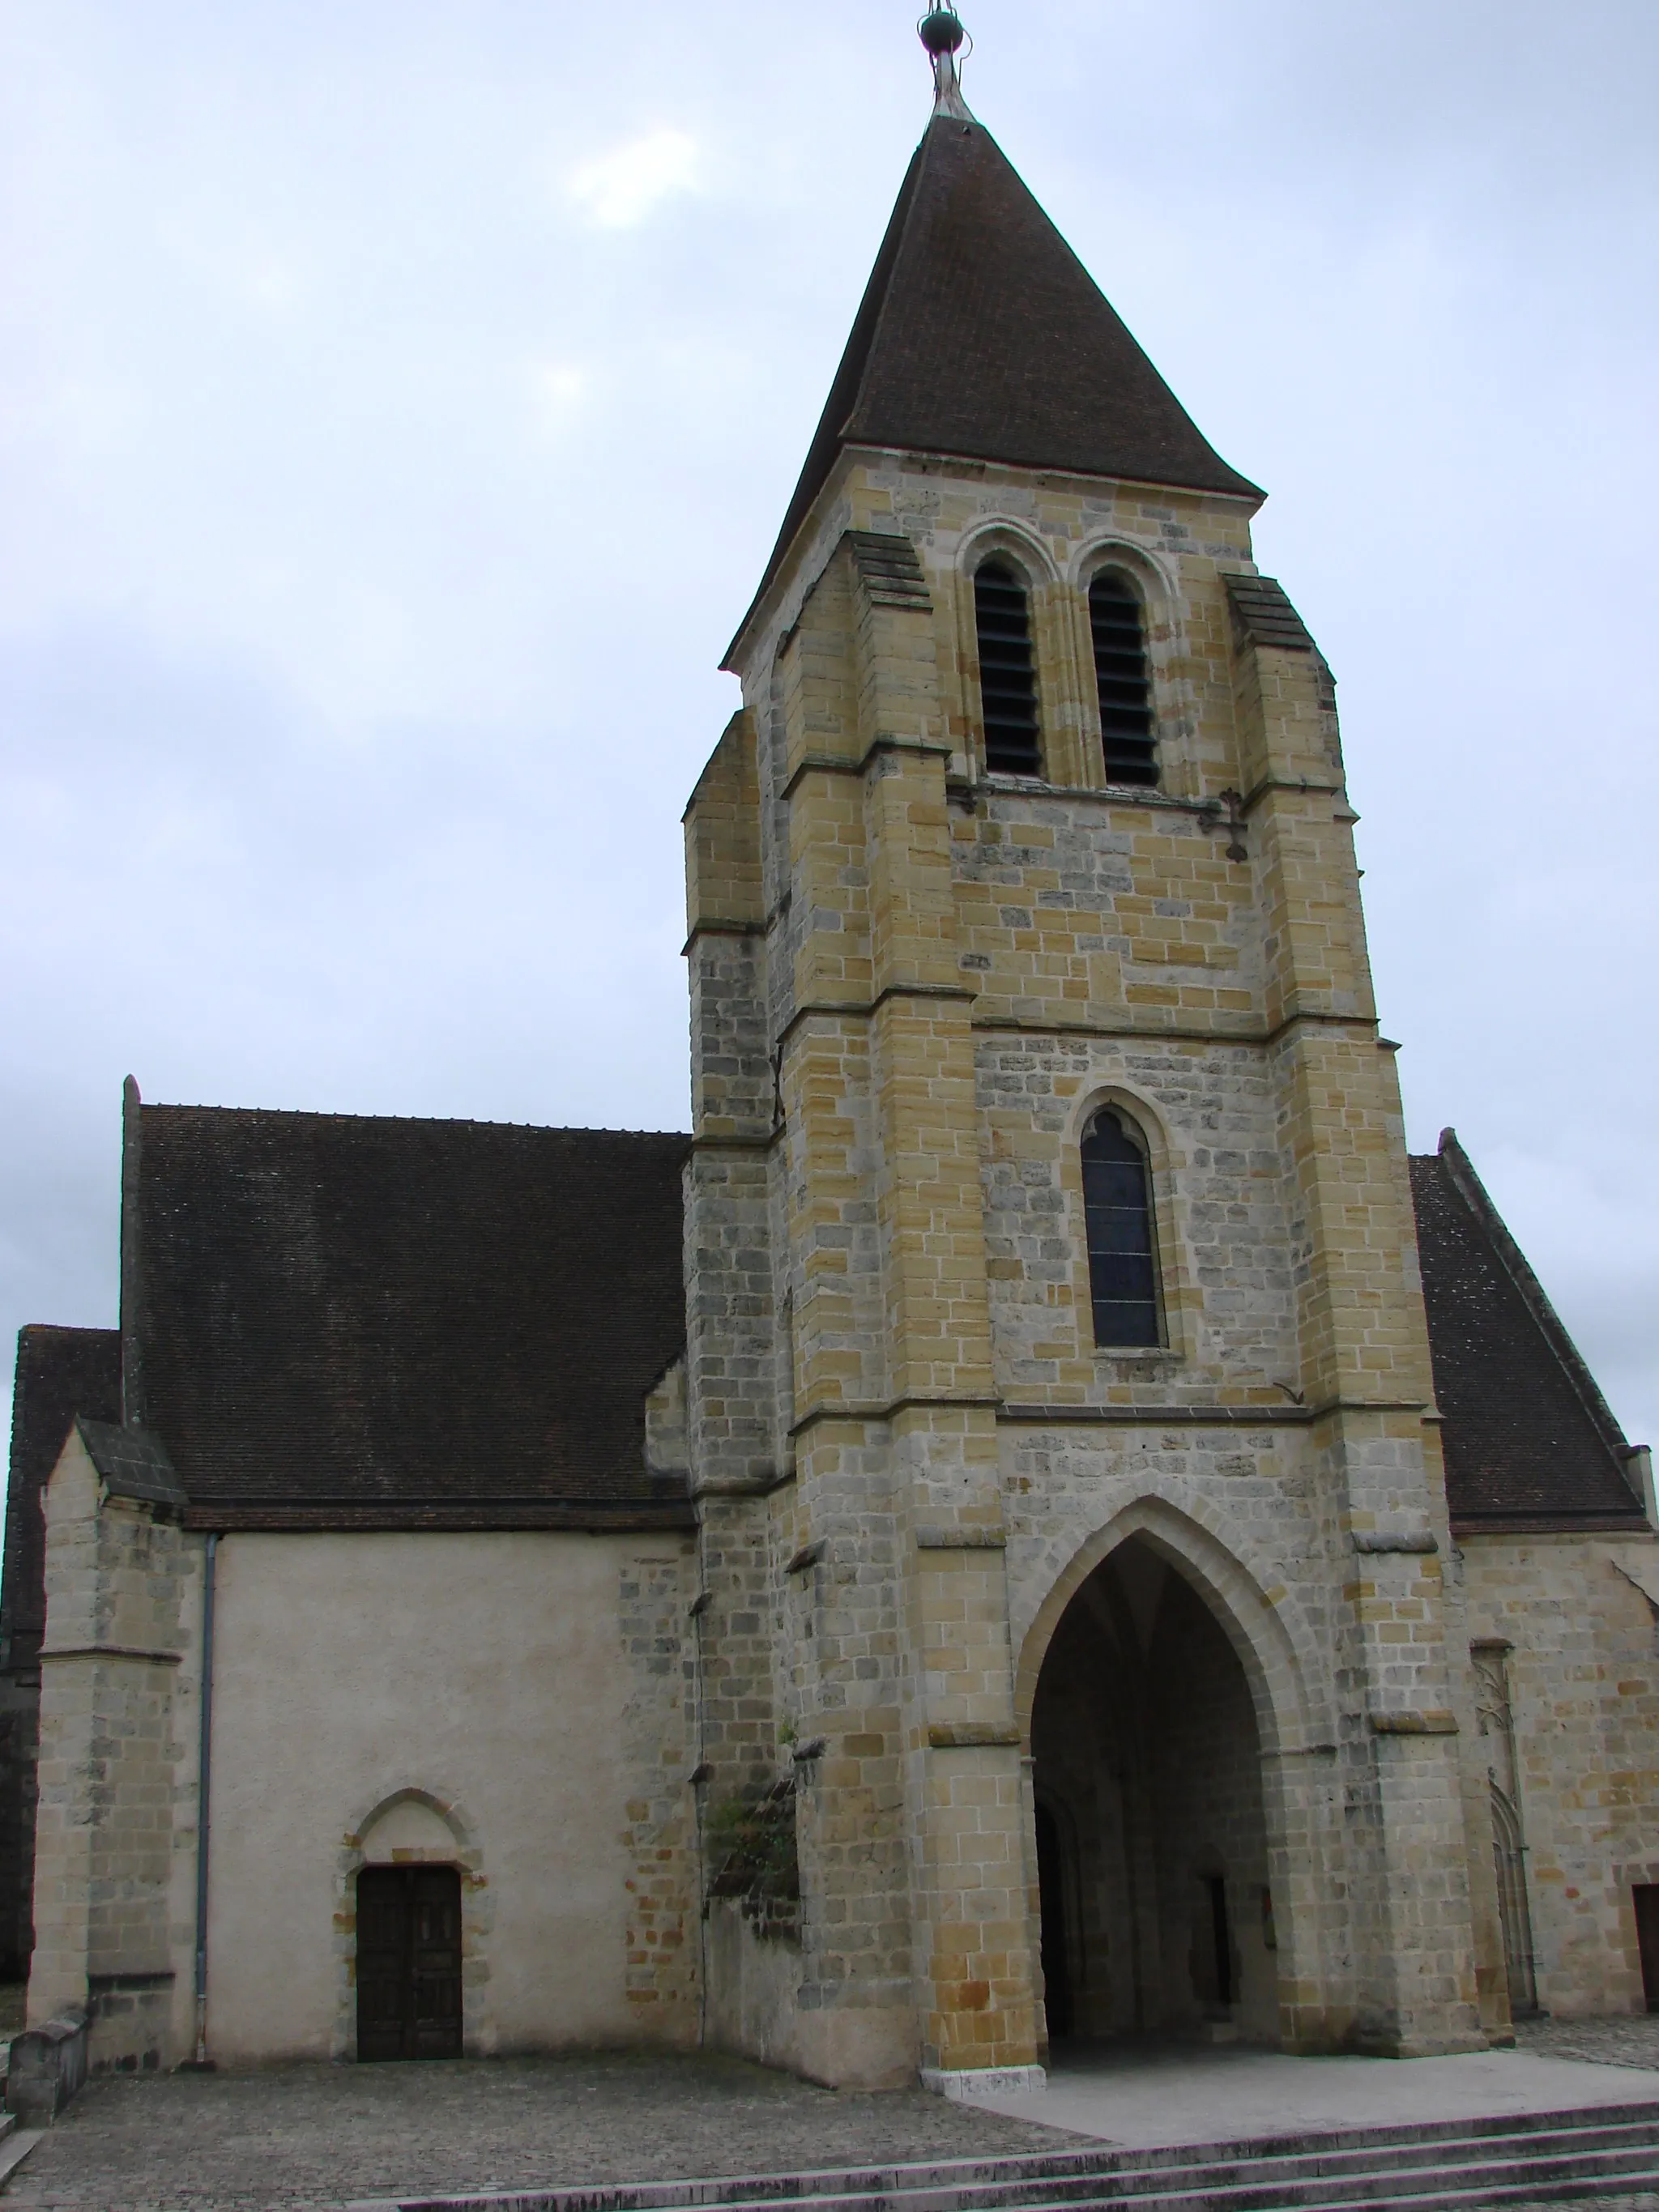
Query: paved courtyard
point(308, 2138)
point(1631, 2040)
point(1147, 2095)
point(313, 2136)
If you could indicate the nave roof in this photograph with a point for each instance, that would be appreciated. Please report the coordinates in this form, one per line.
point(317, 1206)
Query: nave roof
point(344, 1323)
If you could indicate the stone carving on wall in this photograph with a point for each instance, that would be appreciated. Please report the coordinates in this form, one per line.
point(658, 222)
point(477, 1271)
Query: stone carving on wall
point(1495, 1720)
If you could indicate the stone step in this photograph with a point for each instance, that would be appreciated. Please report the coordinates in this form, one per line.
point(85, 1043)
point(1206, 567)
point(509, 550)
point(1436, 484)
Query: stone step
point(1519, 2193)
point(1361, 2180)
point(1503, 2159)
point(1471, 2182)
point(1570, 2119)
point(1332, 2170)
point(1250, 2183)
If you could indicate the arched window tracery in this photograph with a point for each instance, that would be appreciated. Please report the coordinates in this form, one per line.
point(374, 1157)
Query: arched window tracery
point(1007, 670)
point(1123, 680)
point(1117, 1200)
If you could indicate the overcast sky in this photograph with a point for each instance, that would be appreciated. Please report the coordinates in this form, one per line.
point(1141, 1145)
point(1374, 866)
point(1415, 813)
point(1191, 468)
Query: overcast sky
point(398, 398)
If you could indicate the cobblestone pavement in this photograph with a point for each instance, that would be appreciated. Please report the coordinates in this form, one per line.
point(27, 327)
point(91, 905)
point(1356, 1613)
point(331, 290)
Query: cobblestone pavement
point(1632, 2039)
point(305, 2138)
point(310, 2138)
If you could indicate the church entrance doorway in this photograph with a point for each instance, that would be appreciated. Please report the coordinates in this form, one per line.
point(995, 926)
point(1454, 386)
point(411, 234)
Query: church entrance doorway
point(1157, 1914)
point(409, 1962)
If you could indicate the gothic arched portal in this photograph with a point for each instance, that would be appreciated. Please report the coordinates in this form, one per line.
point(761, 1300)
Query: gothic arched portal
point(1157, 1917)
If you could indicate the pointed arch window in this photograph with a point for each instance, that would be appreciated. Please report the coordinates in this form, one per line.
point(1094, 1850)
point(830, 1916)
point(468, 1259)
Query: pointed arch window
point(1117, 1200)
point(1007, 671)
point(1123, 679)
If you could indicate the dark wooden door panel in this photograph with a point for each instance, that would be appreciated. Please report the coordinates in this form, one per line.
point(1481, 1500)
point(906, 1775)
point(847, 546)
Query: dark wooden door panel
point(1647, 1938)
point(409, 1963)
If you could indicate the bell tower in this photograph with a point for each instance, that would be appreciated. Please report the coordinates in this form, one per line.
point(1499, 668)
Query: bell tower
point(1048, 1194)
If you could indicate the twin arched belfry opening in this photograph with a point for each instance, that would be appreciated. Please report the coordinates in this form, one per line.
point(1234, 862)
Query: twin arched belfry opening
point(1157, 1913)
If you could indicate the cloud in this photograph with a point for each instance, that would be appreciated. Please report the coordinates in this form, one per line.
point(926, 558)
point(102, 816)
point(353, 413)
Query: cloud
point(557, 390)
point(621, 188)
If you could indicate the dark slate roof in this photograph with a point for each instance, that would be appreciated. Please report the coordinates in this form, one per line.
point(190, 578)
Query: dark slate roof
point(1529, 1440)
point(981, 335)
point(1264, 612)
point(355, 1323)
point(132, 1463)
point(61, 1372)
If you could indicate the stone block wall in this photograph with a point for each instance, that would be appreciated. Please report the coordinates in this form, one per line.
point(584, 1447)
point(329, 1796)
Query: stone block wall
point(948, 971)
point(1575, 1619)
point(115, 1851)
point(658, 1642)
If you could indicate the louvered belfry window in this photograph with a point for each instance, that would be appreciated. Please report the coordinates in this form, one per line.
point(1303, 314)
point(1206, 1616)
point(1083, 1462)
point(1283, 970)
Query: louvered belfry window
point(1008, 674)
point(1117, 1200)
point(1124, 681)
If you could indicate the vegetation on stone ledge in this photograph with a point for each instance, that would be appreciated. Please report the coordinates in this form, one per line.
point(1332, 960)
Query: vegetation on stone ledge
point(751, 1848)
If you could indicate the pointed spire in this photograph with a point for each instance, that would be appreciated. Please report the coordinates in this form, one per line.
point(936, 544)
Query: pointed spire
point(981, 335)
point(942, 32)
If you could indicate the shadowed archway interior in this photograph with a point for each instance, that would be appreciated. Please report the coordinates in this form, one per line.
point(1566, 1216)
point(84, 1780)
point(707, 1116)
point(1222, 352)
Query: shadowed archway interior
point(1158, 1915)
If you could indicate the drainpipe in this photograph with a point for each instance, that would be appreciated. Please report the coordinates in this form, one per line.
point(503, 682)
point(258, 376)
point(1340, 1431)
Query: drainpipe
point(202, 2063)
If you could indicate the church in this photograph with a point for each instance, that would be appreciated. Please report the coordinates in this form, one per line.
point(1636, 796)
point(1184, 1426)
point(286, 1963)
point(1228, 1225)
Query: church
point(1036, 1519)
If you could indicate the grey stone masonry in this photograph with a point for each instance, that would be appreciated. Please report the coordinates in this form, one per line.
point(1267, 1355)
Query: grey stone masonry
point(944, 975)
point(115, 1853)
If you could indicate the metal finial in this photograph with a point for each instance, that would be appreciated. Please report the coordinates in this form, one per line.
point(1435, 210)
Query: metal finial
point(943, 33)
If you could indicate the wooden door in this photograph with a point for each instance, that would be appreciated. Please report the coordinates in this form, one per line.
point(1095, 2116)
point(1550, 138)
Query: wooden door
point(1647, 1938)
point(409, 1962)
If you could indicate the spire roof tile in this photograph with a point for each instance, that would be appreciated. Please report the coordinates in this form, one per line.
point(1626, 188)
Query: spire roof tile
point(981, 335)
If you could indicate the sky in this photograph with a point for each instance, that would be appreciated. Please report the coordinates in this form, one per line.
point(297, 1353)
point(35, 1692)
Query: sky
point(397, 405)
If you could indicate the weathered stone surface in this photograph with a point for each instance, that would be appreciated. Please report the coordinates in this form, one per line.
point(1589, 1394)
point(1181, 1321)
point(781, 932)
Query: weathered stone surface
point(953, 972)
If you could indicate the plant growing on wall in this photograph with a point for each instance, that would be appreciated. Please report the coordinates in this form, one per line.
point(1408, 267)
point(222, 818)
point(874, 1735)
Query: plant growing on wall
point(752, 1849)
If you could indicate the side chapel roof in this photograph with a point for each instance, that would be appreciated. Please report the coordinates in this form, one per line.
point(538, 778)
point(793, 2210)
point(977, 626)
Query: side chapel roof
point(1529, 1440)
point(981, 335)
point(60, 1372)
point(355, 1323)
point(349, 1323)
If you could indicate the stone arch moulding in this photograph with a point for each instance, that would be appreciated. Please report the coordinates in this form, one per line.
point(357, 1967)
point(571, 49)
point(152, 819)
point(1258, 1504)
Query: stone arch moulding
point(1259, 1617)
point(446, 1809)
point(1003, 533)
point(477, 1914)
point(1289, 1695)
point(1054, 646)
point(1146, 1114)
point(1161, 604)
point(1181, 1312)
point(1153, 577)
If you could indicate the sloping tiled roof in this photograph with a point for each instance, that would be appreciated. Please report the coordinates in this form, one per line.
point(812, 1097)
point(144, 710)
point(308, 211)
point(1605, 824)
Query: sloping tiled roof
point(132, 1463)
point(356, 1323)
point(981, 335)
point(61, 1372)
point(1529, 1440)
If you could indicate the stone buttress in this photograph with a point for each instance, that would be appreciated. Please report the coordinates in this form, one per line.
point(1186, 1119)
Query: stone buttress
point(116, 1829)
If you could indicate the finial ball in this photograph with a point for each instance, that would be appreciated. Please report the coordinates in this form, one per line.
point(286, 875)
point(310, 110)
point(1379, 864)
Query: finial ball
point(941, 32)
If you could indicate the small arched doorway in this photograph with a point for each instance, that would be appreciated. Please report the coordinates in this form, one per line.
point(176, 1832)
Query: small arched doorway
point(409, 1962)
point(1158, 1915)
point(408, 1915)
